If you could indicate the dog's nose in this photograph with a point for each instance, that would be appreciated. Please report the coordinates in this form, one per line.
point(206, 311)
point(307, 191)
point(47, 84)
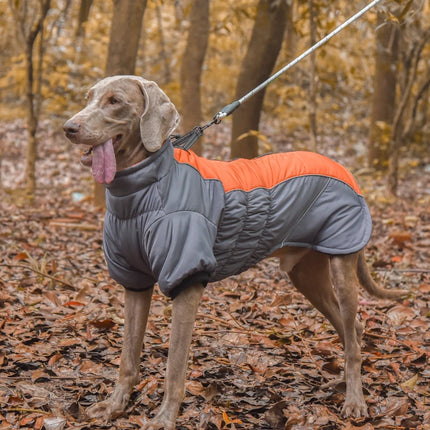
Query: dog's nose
point(71, 127)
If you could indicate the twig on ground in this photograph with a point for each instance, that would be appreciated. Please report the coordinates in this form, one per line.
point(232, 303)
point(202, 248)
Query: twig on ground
point(46, 275)
point(379, 269)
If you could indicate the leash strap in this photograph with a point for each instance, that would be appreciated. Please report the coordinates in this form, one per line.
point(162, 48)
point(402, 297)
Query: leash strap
point(187, 140)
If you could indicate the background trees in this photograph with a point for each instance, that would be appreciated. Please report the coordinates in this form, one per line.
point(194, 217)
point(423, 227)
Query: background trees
point(372, 81)
point(399, 88)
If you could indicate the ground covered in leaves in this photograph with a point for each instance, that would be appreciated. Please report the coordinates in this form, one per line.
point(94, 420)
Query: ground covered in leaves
point(262, 357)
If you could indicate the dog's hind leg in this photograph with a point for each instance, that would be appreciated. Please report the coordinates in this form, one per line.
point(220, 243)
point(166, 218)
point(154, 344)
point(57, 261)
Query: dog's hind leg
point(311, 276)
point(137, 306)
point(184, 313)
point(343, 269)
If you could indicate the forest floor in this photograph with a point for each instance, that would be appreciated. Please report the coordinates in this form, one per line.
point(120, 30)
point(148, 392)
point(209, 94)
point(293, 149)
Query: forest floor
point(262, 357)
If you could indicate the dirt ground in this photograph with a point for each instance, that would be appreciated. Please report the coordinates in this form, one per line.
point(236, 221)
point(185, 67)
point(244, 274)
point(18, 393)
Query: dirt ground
point(262, 357)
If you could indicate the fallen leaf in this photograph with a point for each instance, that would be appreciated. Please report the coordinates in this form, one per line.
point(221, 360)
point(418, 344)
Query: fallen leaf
point(424, 288)
point(54, 423)
point(28, 419)
point(399, 314)
point(229, 420)
point(39, 375)
point(275, 414)
point(21, 256)
point(73, 303)
point(410, 383)
point(397, 259)
point(105, 324)
point(54, 359)
point(400, 237)
point(195, 388)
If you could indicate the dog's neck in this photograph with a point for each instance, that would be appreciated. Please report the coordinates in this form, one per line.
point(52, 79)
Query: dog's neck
point(131, 155)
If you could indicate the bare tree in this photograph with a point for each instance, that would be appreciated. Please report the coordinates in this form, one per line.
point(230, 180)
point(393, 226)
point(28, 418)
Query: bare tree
point(191, 68)
point(163, 52)
point(399, 90)
point(404, 122)
point(384, 91)
point(84, 12)
point(312, 79)
point(257, 65)
point(124, 39)
point(29, 20)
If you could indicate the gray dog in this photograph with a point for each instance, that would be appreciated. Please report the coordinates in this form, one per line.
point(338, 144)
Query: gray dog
point(183, 221)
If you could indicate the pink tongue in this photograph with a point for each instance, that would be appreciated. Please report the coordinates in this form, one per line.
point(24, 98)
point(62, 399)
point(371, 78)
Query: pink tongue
point(104, 163)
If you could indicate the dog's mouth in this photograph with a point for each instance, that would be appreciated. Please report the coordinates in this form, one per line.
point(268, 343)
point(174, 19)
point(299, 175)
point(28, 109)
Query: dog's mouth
point(101, 158)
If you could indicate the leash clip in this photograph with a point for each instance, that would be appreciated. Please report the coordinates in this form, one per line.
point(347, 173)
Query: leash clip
point(187, 140)
point(226, 111)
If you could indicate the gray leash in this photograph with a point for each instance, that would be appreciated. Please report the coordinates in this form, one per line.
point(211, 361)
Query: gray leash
point(187, 140)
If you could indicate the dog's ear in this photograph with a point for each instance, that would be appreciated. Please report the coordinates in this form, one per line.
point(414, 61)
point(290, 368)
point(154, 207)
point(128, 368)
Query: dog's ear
point(159, 117)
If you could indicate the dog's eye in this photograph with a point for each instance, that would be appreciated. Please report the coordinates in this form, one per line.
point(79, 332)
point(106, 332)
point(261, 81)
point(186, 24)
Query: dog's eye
point(113, 100)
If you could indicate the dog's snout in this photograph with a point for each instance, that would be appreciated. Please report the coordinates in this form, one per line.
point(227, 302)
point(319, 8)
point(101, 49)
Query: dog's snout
point(71, 127)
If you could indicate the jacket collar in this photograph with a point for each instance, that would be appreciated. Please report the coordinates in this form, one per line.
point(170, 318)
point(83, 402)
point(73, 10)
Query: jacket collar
point(132, 179)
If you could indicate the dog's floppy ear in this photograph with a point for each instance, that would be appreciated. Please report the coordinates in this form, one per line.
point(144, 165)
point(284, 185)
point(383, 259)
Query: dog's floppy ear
point(159, 117)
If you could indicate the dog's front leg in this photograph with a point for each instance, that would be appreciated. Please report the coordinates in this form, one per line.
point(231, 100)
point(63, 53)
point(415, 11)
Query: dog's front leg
point(137, 306)
point(184, 312)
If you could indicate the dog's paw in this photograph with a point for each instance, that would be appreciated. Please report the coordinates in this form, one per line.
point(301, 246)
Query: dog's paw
point(354, 409)
point(159, 423)
point(105, 410)
point(112, 407)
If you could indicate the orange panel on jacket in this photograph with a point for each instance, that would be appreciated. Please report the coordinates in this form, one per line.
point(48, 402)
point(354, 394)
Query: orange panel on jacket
point(266, 171)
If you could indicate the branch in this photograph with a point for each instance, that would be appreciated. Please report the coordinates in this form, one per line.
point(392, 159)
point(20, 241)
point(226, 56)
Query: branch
point(408, 128)
point(46, 275)
point(407, 91)
point(19, 21)
point(421, 91)
point(403, 270)
point(44, 8)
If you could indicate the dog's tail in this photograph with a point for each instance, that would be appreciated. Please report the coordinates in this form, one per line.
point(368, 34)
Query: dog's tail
point(370, 285)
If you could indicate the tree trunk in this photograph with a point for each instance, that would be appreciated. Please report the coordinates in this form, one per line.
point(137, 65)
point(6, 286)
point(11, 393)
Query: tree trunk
point(164, 55)
point(312, 80)
point(84, 12)
point(30, 169)
point(257, 66)
point(290, 32)
point(191, 68)
point(122, 52)
point(124, 36)
point(403, 127)
point(30, 30)
point(384, 93)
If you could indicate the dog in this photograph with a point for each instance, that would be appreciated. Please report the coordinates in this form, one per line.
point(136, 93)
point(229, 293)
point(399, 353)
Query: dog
point(184, 221)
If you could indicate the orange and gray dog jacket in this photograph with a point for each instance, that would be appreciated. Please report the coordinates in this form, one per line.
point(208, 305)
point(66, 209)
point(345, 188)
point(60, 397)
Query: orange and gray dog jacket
point(176, 218)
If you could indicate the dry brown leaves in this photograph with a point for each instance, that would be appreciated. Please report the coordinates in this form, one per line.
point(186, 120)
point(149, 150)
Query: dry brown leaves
point(262, 357)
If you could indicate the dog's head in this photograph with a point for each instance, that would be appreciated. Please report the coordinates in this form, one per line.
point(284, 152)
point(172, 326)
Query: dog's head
point(126, 117)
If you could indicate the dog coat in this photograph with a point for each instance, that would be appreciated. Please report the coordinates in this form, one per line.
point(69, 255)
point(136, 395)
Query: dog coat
point(176, 218)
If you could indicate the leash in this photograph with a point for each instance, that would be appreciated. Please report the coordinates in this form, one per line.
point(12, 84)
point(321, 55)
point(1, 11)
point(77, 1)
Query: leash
point(188, 139)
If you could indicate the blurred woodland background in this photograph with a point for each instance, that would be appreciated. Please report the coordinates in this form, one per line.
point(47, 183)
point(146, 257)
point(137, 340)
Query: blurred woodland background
point(369, 85)
point(267, 359)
